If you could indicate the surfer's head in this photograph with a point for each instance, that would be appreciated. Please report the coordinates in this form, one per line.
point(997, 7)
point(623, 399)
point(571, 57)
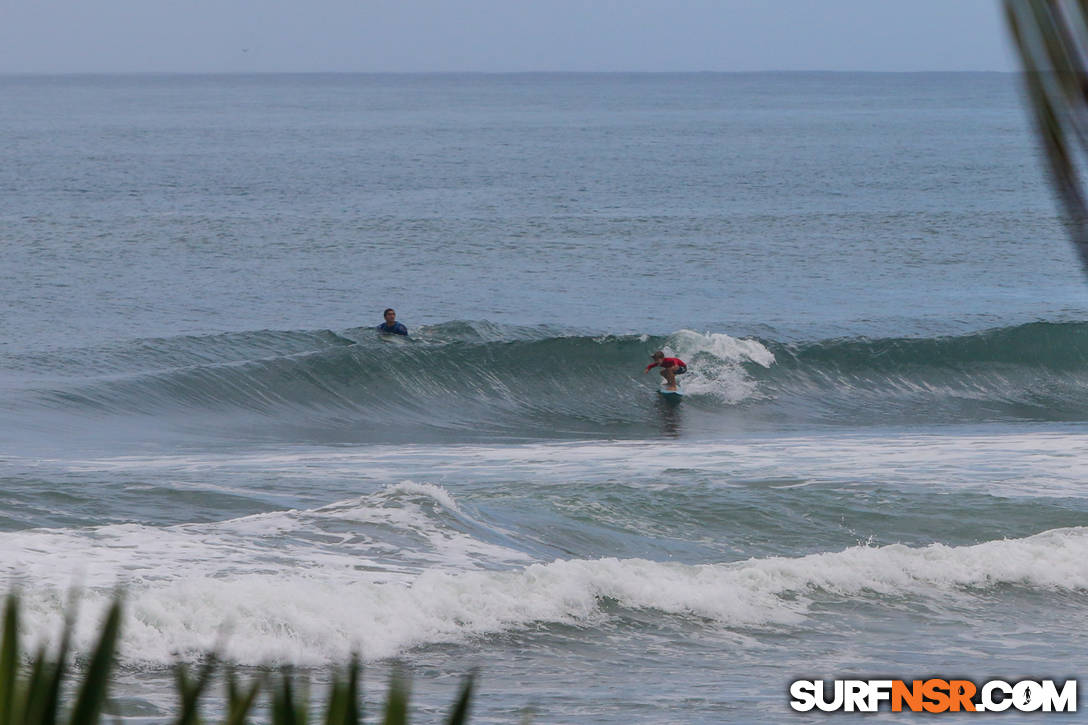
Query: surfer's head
point(658, 355)
point(390, 315)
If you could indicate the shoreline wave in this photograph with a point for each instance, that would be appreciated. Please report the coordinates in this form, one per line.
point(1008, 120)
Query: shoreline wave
point(310, 608)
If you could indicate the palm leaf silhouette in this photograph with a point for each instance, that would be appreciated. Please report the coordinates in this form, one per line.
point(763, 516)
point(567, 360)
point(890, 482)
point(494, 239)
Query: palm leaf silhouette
point(1051, 37)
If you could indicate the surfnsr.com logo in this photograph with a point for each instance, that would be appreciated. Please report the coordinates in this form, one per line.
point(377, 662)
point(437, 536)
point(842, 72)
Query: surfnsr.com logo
point(933, 695)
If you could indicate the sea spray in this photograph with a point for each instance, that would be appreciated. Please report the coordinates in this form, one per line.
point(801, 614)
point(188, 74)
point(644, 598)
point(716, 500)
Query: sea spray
point(716, 364)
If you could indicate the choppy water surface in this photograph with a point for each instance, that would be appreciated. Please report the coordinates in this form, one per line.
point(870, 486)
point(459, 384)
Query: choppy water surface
point(877, 468)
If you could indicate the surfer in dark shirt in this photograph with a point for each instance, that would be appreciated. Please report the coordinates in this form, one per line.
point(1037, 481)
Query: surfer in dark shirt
point(391, 326)
point(670, 368)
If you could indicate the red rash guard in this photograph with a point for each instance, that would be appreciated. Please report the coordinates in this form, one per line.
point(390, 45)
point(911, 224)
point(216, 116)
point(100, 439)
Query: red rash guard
point(668, 363)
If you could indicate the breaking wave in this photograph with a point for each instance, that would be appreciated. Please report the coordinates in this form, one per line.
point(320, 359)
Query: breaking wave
point(469, 379)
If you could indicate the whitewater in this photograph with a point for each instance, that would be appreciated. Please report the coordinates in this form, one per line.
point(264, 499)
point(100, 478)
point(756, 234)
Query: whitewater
point(877, 469)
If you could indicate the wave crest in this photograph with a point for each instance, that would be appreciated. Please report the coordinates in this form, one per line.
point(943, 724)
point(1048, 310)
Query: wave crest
point(464, 380)
point(312, 608)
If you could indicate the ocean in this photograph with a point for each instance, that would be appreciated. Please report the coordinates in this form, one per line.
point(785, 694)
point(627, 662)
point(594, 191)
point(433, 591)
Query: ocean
point(878, 468)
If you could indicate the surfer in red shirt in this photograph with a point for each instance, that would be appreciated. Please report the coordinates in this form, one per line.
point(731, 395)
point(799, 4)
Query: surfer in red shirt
point(670, 368)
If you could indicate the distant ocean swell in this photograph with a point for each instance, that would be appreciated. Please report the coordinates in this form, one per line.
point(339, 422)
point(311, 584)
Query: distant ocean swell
point(308, 586)
point(539, 382)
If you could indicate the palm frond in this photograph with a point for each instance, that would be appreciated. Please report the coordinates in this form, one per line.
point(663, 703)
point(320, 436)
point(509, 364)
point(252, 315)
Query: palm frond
point(92, 692)
point(32, 692)
point(1051, 37)
point(459, 713)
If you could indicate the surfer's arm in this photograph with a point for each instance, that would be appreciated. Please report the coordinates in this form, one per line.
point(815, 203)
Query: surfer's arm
point(651, 365)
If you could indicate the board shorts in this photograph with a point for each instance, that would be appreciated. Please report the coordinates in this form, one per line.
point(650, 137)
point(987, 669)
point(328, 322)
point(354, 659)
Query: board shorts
point(680, 370)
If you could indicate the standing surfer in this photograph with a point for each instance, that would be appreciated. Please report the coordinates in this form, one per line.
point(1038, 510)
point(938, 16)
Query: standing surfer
point(670, 368)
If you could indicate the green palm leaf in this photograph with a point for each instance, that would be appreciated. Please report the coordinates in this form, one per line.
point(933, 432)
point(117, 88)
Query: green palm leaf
point(1051, 37)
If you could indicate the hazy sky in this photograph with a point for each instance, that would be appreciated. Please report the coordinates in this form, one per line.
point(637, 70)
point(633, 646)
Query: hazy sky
point(501, 35)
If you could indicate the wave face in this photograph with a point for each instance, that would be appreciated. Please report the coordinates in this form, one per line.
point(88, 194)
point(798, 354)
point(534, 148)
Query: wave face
point(1037, 371)
point(467, 379)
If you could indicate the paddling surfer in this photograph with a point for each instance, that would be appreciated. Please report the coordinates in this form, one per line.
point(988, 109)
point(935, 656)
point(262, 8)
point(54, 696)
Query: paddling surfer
point(391, 326)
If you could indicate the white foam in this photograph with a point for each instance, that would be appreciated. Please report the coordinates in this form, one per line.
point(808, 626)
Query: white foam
point(312, 610)
point(430, 490)
point(393, 531)
point(1017, 461)
point(715, 363)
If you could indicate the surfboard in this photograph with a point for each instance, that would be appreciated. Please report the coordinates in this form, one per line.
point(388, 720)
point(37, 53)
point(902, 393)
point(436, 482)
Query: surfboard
point(672, 394)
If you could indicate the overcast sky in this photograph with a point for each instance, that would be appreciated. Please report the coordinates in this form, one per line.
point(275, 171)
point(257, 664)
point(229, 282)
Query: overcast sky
point(501, 35)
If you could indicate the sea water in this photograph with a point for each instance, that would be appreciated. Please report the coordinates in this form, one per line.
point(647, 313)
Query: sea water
point(878, 468)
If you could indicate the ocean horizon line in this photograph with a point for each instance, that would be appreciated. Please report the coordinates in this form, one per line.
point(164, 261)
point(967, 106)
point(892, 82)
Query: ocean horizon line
point(766, 72)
